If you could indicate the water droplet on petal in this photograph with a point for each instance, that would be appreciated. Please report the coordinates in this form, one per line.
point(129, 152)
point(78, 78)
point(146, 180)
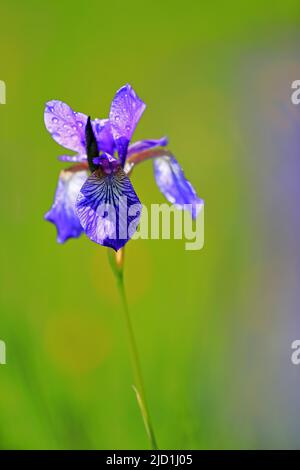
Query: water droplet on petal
point(55, 120)
point(117, 117)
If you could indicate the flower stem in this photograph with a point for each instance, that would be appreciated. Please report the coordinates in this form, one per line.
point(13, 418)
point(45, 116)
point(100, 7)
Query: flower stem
point(137, 372)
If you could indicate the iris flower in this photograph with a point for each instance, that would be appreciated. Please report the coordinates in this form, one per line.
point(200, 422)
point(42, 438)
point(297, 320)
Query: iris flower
point(98, 180)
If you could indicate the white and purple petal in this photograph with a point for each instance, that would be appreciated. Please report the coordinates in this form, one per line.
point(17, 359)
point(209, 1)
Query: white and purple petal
point(67, 128)
point(62, 213)
point(125, 112)
point(175, 187)
point(108, 208)
point(65, 125)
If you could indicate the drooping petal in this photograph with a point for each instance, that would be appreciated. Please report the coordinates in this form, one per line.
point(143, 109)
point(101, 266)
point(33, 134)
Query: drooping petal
point(67, 128)
point(108, 208)
point(62, 213)
point(175, 187)
point(142, 145)
point(125, 112)
point(65, 125)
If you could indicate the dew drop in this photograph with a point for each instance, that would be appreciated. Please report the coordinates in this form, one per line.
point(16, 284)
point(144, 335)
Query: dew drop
point(55, 120)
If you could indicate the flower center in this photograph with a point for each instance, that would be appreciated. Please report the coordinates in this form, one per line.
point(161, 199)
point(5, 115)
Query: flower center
point(109, 166)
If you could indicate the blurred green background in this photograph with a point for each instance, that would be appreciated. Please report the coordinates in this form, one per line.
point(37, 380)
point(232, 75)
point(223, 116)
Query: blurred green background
point(214, 327)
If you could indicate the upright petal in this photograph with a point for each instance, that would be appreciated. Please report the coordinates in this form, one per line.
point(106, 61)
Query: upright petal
point(125, 112)
point(103, 134)
point(108, 208)
point(62, 213)
point(68, 129)
point(175, 187)
point(65, 125)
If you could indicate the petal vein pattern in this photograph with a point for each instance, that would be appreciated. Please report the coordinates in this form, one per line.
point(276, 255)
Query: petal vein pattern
point(108, 208)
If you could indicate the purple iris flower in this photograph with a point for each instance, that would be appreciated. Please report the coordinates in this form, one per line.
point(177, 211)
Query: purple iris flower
point(95, 195)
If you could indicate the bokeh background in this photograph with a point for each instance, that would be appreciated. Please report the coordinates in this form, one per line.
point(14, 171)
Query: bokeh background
point(214, 327)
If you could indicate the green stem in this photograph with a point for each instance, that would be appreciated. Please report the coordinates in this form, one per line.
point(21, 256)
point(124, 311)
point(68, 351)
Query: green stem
point(137, 372)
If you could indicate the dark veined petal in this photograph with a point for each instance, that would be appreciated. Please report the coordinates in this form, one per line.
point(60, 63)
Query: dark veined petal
point(62, 213)
point(142, 145)
point(125, 112)
point(68, 129)
point(175, 187)
point(65, 125)
point(108, 208)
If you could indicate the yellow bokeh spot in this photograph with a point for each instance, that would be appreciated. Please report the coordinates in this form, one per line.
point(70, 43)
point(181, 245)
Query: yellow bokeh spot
point(76, 343)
